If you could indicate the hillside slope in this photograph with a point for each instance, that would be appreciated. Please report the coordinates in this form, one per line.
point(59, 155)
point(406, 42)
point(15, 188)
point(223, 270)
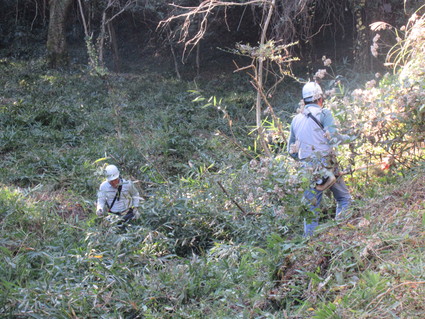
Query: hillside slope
point(369, 266)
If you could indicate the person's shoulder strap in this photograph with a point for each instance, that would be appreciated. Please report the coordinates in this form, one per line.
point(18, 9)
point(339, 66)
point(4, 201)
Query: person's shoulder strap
point(315, 120)
point(117, 197)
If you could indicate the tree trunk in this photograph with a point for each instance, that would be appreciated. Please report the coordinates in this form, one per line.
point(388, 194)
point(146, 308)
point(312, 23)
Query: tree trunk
point(260, 88)
point(57, 54)
point(361, 55)
point(115, 50)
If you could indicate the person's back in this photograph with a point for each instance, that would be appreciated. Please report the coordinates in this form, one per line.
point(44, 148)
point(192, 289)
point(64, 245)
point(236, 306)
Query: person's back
point(310, 135)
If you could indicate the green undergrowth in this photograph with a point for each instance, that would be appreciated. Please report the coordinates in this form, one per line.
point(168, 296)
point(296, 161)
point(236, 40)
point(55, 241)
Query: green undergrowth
point(56, 262)
point(62, 121)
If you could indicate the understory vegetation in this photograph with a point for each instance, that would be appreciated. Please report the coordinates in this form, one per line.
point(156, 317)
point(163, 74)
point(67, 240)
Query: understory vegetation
point(221, 223)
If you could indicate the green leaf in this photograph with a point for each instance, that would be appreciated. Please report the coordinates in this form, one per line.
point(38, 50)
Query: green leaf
point(100, 160)
point(198, 99)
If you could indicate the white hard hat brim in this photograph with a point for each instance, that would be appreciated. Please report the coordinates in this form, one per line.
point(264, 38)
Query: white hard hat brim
point(112, 177)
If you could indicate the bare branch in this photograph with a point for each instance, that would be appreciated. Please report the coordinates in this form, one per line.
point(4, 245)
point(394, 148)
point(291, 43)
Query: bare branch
point(80, 6)
point(121, 10)
point(204, 10)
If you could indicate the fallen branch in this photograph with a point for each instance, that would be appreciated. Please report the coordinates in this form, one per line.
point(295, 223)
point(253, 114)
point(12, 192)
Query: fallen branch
point(234, 142)
point(382, 295)
point(232, 199)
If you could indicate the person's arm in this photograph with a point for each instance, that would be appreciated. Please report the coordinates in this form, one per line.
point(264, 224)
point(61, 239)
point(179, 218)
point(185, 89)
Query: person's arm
point(101, 201)
point(134, 193)
point(135, 199)
point(292, 141)
point(328, 122)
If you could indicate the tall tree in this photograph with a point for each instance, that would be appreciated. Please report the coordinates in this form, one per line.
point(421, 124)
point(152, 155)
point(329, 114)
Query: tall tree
point(266, 51)
point(56, 39)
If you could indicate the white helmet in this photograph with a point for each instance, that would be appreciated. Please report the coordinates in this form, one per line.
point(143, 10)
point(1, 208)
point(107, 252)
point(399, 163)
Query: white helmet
point(312, 92)
point(111, 172)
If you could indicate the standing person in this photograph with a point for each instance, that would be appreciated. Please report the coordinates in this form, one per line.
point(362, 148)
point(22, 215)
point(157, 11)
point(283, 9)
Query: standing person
point(310, 141)
point(117, 196)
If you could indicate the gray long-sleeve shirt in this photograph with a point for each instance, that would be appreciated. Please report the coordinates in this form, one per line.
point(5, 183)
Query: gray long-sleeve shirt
point(311, 137)
point(129, 196)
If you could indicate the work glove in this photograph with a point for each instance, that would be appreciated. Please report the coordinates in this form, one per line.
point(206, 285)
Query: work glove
point(136, 213)
point(99, 212)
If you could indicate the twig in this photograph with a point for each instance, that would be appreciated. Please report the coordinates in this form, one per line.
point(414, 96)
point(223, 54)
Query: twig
point(233, 140)
point(382, 295)
point(86, 32)
point(233, 201)
point(121, 10)
point(259, 81)
point(204, 9)
point(76, 227)
point(170, 42)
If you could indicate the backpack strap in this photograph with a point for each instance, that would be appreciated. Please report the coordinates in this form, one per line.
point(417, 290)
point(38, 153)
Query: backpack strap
point(315, 120)
point(117, 197)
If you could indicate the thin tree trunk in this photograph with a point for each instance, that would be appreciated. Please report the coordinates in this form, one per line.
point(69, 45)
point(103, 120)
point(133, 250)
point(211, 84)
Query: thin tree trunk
point(176, 65)
point(362, 54)
point(260, 80)
point(198, 50)
point(198, 58)
point(101, 38)
point(56, 38)
point(115, 50)
point(83, 18)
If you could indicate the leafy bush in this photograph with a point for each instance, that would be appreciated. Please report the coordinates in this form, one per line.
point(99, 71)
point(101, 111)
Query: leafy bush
point(389, 115)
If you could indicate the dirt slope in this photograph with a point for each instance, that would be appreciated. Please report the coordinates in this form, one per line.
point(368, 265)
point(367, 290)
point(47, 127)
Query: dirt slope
point(385, 236)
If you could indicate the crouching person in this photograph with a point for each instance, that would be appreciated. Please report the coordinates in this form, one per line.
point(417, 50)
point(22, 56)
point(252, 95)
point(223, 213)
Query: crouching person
point(117, 196)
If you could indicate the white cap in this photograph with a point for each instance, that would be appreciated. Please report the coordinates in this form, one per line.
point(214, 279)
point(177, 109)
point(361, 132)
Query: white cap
point(111, 172)
point(312, 92)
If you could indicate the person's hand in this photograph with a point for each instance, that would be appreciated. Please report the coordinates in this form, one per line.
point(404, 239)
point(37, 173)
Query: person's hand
point(136, 213)
point(99, 212)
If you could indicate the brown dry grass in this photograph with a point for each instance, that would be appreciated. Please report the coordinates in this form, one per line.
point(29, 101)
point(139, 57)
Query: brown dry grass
point(63, 205)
